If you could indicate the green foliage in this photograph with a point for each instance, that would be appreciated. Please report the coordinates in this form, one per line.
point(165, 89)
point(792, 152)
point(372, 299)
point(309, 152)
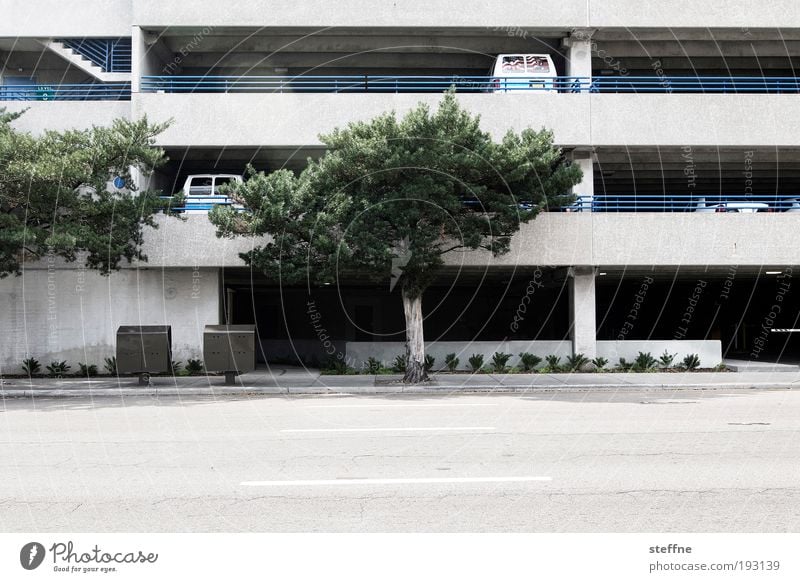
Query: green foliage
point(194, 366)
point(624, 365)
point(553, 364)
point(31, 366)
point(87, 370)
point(644, 362)
point(451, 361)
point(54, 199)
point(475, 362)
point(58, 369)
point(429, 362)
point(575, 362)
point(395, 188)
point(666, 359)
point(372, 366)
point(176, 367)
point(499, 361)
point(399, 364)
point(691, 362)
point(600, 363)
point(529, 361)
point(337, 367)
point(110, 365)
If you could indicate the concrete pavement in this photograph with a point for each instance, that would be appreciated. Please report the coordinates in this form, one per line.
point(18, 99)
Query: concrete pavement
point(285, 380)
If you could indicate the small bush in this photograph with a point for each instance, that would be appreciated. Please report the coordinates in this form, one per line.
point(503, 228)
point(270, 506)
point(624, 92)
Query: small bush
point(644, 362)
point(600, 363)
point(666, 359)
point(499, 361)
point(529, 361)
point(372, 366)
point(451, 361)
point(57, 369)
point(110, 365)
point(336, 367)
point(399, 365)
point(194, 366)
point(87, 370)
point(429, 361)
point(475, 362)
point(553, 363)
point(691, 362)
point(575, 362)
point(31, 366)
point(624, 365)
point(176, 368)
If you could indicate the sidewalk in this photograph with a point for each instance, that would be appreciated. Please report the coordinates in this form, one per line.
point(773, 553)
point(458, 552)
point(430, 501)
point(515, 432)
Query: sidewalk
point(290, 381)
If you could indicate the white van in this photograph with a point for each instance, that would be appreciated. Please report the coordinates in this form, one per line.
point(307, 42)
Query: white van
point(201, 192)
point(516, 72)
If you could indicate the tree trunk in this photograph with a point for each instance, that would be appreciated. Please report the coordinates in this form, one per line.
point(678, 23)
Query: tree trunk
point(415, 343)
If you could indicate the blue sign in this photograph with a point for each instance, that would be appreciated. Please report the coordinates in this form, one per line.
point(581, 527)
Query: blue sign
point(119, 182)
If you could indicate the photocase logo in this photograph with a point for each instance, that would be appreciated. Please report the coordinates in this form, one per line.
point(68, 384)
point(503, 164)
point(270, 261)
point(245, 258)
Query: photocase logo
point(31, 555)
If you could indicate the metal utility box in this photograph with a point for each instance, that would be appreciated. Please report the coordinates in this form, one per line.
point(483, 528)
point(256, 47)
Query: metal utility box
point(229, 348)
point(144, 349)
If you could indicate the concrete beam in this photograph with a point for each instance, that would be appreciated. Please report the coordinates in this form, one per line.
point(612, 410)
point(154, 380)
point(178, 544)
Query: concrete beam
point(582, 309)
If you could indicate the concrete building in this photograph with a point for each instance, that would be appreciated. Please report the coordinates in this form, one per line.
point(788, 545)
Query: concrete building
point(682, 116)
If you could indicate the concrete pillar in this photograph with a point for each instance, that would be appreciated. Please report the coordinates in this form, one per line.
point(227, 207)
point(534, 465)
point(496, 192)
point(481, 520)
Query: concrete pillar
point(585, 188)
point(582, 310)
point(579, 55)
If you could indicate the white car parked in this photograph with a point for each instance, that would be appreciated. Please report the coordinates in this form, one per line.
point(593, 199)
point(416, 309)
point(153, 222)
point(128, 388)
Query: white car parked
point(731, 206)
point(201, 192)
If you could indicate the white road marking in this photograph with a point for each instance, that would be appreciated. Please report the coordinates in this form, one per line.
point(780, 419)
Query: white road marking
point(399, 405)
point(381, 429)
point(410, 481)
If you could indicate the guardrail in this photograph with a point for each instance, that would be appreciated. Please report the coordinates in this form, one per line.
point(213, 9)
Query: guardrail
point(67, 92)
point(112, 55)
point(686, 203)
point(464, 84)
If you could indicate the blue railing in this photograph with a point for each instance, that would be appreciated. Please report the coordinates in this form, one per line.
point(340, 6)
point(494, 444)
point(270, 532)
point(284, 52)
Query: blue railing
point(465, 84)
point(686, 203)
point(200, 203)
point(67, 92)
point(112, 55)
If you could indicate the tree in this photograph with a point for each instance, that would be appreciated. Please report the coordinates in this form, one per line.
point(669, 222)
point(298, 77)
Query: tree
point(54, 195)
point(393, 197)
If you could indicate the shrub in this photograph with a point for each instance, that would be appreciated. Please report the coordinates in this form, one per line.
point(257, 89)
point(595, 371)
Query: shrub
point(529, 361)
point(691, 362)
point(372, 366)
point(110, 365)
point(499, 361)
point(666, 359)
point(644, 362)
point(87, 370)
point(553, 363)
point(429, 361)
point(451, 361)
point(176, 368)
point(57, 369)
point(600, 363)
point(575, 362)
point(336, 367)
point(399, 365)
point(194, 366)
point(475, 362)
point(625, 365)
point(31, 366)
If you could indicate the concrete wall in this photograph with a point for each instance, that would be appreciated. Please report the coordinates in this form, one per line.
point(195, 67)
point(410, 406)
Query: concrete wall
point(709, 351)
point(73, 314)
point(553, 239)
point(477, 13)
point(62, 115)
point(270, 119)
point(56, 18)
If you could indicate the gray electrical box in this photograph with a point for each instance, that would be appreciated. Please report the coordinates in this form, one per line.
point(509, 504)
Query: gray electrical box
point(144, 349)
point(229, 348)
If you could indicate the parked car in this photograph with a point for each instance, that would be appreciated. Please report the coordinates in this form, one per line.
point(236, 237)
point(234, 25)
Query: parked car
point(201, 192)
point(702, 206)
point(795, 205)
point(523, 72)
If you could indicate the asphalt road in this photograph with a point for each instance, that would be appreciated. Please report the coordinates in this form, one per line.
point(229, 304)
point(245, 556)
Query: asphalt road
point(691, 461)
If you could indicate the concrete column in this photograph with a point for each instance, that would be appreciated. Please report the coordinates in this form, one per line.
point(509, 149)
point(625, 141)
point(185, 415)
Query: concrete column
point(585, 188)
point(582, 306)
point(579, 54)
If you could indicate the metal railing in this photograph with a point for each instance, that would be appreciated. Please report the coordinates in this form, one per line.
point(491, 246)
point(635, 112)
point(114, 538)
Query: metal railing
point(686, 203)
point(465, 84)
point(112, 55)
point(67, 92)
